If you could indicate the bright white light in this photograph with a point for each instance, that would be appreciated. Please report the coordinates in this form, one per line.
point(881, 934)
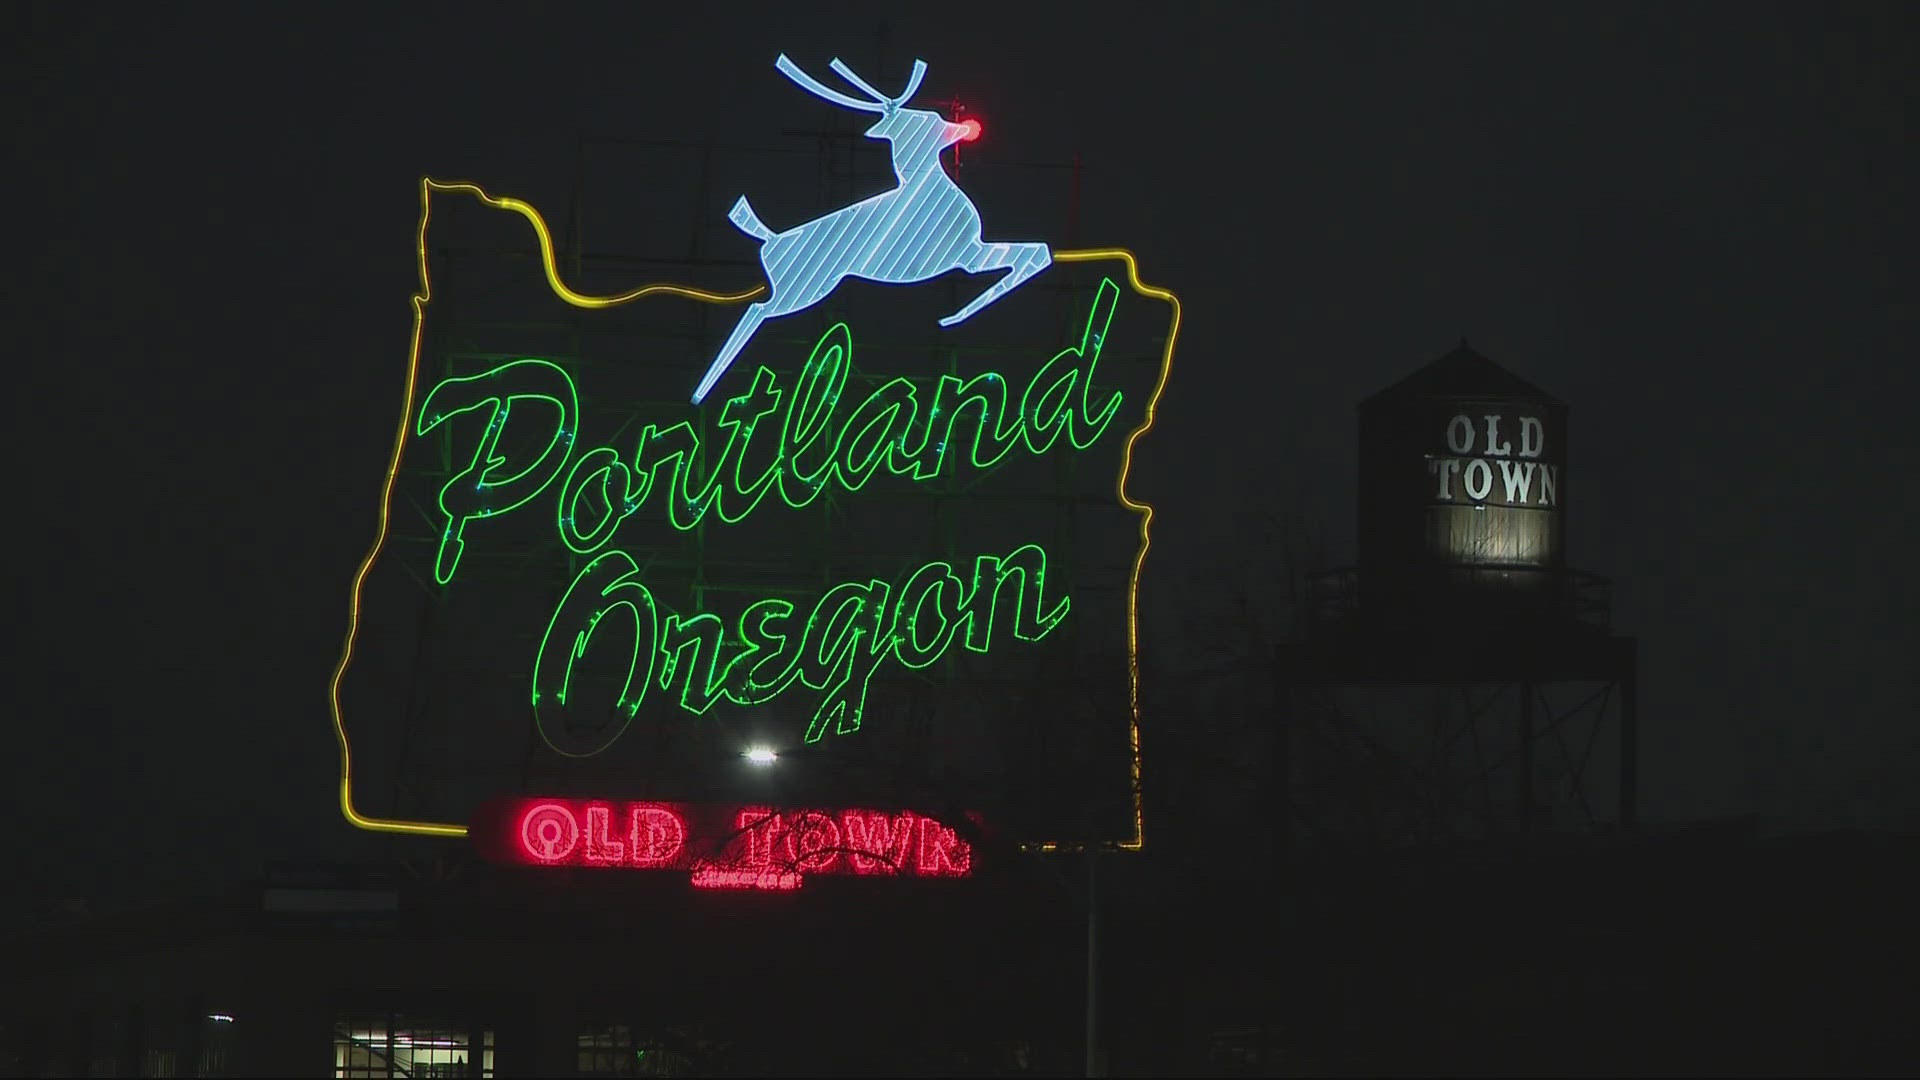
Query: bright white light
point(220, 1018)
point(760, 755)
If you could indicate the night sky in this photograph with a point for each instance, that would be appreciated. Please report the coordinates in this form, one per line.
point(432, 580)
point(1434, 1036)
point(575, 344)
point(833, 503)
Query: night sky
point(1693, 223)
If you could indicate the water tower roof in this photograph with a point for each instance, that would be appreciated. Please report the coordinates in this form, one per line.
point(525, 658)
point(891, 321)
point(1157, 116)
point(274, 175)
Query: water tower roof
point(1462, 373)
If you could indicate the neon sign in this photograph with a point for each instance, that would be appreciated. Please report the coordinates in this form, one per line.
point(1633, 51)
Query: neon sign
point(827, 654)
point(916, 231)
point(800, 436)
point(752, 847)
point(884, 429)
point(854, 628)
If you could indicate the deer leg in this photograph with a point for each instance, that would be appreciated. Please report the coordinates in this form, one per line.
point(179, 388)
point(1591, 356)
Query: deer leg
point(749, 322)
point(1024, 261)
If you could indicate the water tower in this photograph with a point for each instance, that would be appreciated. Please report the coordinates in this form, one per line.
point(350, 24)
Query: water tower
point(1462, 677)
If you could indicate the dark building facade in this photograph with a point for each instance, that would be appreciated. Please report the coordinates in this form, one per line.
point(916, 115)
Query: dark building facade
point(354, 973)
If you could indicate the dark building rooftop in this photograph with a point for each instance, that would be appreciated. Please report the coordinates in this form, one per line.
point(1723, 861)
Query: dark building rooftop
point(1462, 373)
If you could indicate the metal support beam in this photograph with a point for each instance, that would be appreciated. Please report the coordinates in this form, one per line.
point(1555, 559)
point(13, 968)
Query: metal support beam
point(1094, 1056)
point(1629, 735)
point(1525, 771)
point(1279, 786)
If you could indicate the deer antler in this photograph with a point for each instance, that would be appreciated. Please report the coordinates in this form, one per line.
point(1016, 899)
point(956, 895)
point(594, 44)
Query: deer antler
point(919, 72)
point(813, 86)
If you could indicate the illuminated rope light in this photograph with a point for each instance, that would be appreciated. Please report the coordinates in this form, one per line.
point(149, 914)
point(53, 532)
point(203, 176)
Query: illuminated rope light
point(658, 836)
point(548, 832)
point(747, 846)
point(812, 842)
point(551, 266)
point(877, 843)
point(548, 263)
point(714, 877)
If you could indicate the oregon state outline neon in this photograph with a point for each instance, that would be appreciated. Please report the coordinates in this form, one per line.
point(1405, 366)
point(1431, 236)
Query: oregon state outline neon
point(947, 237)
point(919, 230)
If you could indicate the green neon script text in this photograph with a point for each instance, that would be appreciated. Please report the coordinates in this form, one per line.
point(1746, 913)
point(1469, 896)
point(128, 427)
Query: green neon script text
point(818, 442)
point(853, 628)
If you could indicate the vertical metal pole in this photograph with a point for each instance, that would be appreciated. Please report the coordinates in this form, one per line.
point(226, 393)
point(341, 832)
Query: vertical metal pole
point(1629, 734)
point(195, 1044)
point(1280, 767)
point(476, 1045)
point(1093, 962)
point(575, 227)
point(1526, 756)
point(1073, 205)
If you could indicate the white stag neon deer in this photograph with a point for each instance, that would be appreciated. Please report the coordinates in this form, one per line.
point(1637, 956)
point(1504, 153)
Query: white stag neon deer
point(919, 230)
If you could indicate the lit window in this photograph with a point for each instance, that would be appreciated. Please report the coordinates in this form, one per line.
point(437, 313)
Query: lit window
point(399, 1046)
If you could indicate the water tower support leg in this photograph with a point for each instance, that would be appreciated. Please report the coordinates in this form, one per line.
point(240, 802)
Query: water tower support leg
point(1280, 772)
point(1526, 757)
point(1094, 1063)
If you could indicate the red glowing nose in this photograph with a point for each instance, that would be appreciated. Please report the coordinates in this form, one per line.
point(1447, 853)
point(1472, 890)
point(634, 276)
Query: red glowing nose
point(973, 129)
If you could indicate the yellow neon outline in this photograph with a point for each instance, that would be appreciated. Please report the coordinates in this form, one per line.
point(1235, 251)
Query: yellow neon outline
point(1146, 521)
point(428, 186)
